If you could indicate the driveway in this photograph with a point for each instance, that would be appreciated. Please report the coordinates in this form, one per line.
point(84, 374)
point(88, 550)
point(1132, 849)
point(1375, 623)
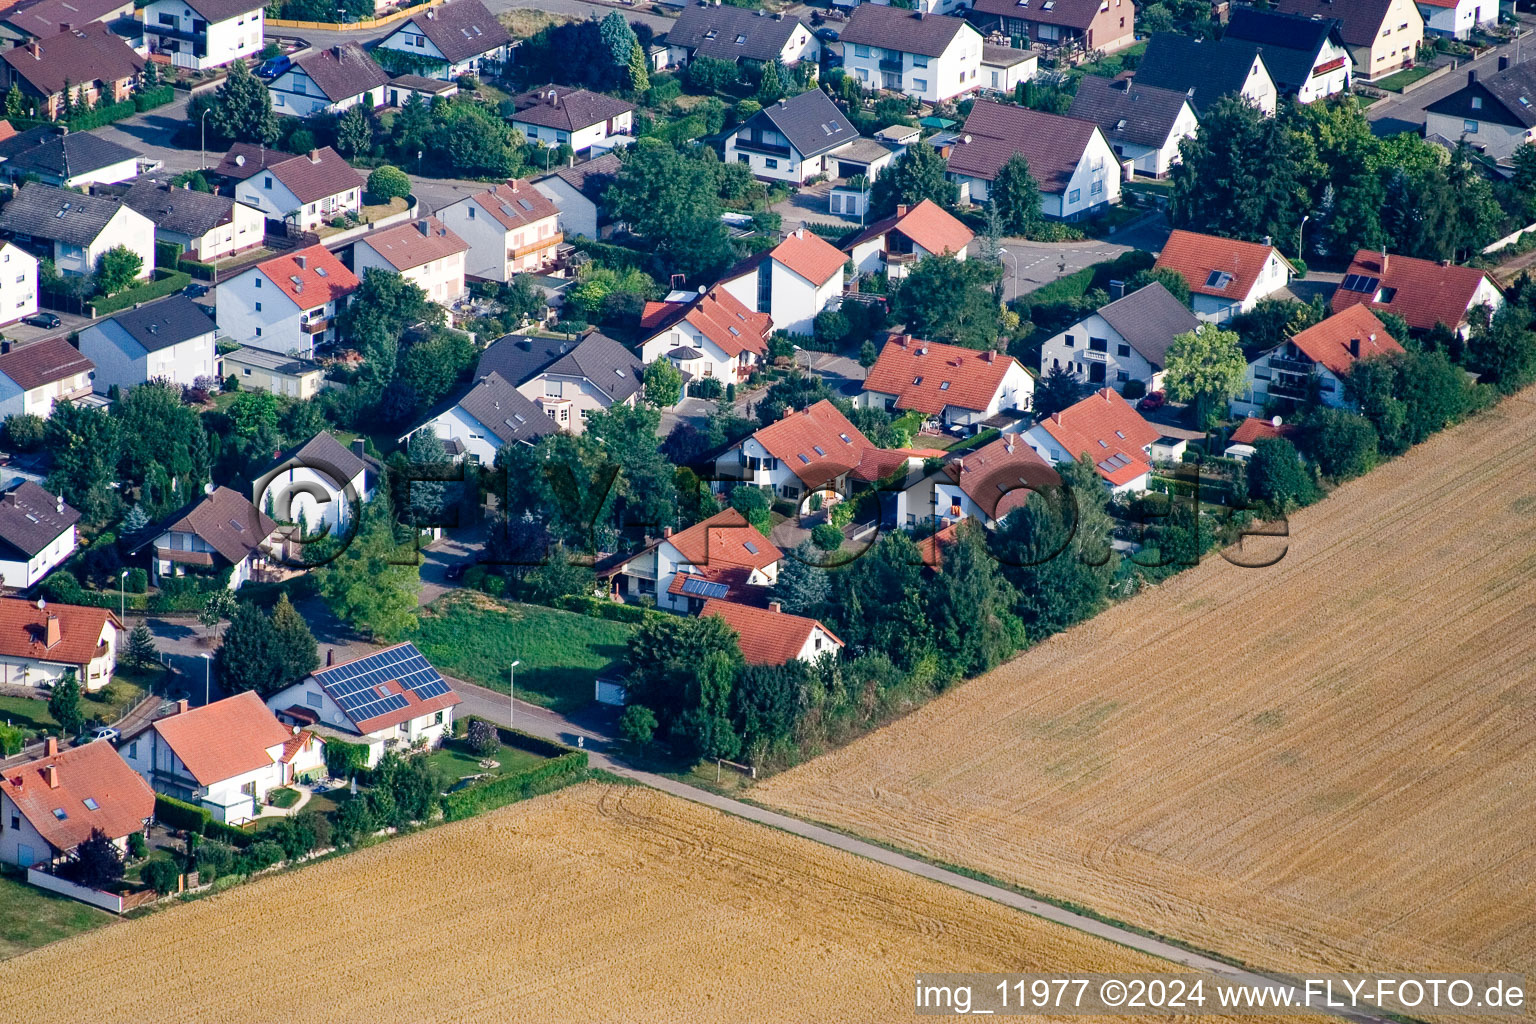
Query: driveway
point(1029, 265)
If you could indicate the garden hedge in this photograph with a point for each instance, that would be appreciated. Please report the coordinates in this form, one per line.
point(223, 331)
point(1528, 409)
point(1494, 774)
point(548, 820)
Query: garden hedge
point(487, 796)
point(236, 837)
point(173, 813)
point(515, 738)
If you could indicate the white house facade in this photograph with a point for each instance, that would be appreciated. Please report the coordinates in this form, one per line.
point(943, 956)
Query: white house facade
point(792, 282)
point(423, 251)
point(201, 34)
point(318, 485)
point(40, 645)
point(929, 57)
point(287, 304)
point(172, 339)
point(18, 283)
point(1458, 19)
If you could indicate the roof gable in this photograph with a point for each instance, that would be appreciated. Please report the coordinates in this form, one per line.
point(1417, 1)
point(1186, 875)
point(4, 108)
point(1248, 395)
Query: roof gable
point(229, 524)
point(224, 739)
point(1422, 292)
point(309, 277)
point(122, 800)
point(1109, 431)
point(1149, 319)
point(381, 690)
point(893, 28)
point(43, 362)
point(499, 407)
point(515, 204)
point(317, 175)
point(810, 256)
point(460, 29)
point(999, 477)
point(767, 636)
point(414, 243)
point(1204, 70)
point(342, 71)
point(817, 444)
point(31, 519)
point(24, 630)
point(87, 54)
point(811, 122)
point(928, 376)
point(567, 109)
point(1360, 21)
point(1078, 14)
point(1344, 337)
point(1225, 268)
point(1142, 115)
point(1053, 145)
point(731, 33)
point(724, 541)
point(57, 214)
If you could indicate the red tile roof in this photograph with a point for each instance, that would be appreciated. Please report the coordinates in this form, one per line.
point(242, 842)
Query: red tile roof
point(7, 130)
point(1109, 430)
point(1329, 342)
point(320, 279)
point(719, 316)
point(1252, 429)
point(928, 375)
point(928, 224)
point(515, 204)
point(721, 542)
point(1000, 477)
point(226, 738)
point(879, 463)
point(1198, 257)
point(809, 255)
point(767, 636)
point(794, 441)
point(1422, 292)
point(92, 772)
point(931, 547)
point(299, 741)
point(409, 245)
point(1052, 144)
point(24, 631)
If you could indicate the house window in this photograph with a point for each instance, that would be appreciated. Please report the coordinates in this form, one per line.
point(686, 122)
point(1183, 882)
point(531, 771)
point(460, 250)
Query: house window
point(1075, 196)
point(1096, 188)
point(16, 821)
point(920, 84)
point(1477, 103)
point(1098, 345)
point(1469, 127)
point(919, 62)
point(861, 51)
point(771, 163)
point(258, 307)
point(258, 332)
point(266, 181)
point(133, 749)
point(1122, 376)
point(1122, 350)
point(1071, 341)
point(311, 698)
point(437, 719)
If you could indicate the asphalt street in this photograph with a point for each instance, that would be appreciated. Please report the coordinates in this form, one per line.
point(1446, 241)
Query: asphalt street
point(1406, 113)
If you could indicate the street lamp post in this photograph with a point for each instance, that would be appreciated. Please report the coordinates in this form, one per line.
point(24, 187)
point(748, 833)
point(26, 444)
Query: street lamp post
point(207, 674)
point(512, 693)
point(1299, 236)
point(203, 150)
point(122, 595)
point(1015, 261)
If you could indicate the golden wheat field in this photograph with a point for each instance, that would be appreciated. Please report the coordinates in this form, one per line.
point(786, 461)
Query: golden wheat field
point(1331, 762)
point(597, 903)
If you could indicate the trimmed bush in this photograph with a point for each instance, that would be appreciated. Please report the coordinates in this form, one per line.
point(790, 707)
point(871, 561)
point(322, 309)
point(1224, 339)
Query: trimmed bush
point(166, 282)
point(515, 738)
point(343, 759)
point(507, 789)
point(600, 609)
point(230, 834)
point(149, 99)
point(179, 814)
point(163, 876)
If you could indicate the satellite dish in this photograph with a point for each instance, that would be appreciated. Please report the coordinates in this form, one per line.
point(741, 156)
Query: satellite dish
point(41, 604)
point(1275, 422)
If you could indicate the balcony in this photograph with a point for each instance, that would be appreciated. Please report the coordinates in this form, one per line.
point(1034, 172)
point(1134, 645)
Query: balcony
point(1095, 357)
point(171, 32)
point(900, 259)
point(749, 145)
point(887, 64)
point(1284, 365)
point(1282, 389)
point(316, 326)
point(543, 243)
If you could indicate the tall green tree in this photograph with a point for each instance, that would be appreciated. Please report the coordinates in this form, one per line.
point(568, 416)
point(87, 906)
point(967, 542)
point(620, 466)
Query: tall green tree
point(117, 268)
point(84, 442)
point(770, 87)
point(971, 605)
point(1015, 195)
point(1056, 390)
point(663, 384)
point(373, 583)
point(684, 670)
point(672, 201)
point(638, 70)
point(64, 704)
point(803, 586)
point(917, 174)
point(156, 427)
point(141, 647)
point(1277, 476)
point(382, 307)
point(1502, 349)
point(1206, 367)
point(294, 644)
point(248, 658)
point(354, 132)
point(878, 605)
point(619, 40)
point(946, 299)
point(241, 110)
point(1342, 443)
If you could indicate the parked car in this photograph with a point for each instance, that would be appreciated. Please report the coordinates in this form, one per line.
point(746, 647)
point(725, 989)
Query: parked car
point(106, 732)
point(1153, 400)
point(827, 35)
point(456, 571)
point(273, 67)
point(45, 320)
point(195, 291)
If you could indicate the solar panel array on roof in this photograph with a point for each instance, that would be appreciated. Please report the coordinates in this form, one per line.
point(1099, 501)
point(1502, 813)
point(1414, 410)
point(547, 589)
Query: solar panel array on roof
point(357, 685)
point(695, 587)
point(1359, 283)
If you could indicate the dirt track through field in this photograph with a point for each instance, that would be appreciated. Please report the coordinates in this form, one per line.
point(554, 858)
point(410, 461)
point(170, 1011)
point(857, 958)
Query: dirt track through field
point(1327, 763)
point(598, 903)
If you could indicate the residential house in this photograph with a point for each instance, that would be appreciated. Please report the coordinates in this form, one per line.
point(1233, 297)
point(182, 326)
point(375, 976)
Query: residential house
point(1086, 25)
point(706, 334)
point(930, 57)
point(36, 20)
point(1109, 431)
point(1251, 430)
point(34, 377)
point(75, 230)
point(895, 244)
point(1306, 56)
point(260, 370)
point(1123, 341)
point(568, 382)
point(207, 226)
point(403, 87)
point(288, 303)
point(1495, 114)
point(422, 251)
point(304, 192)
point(558, 115)
point(512, 228)
point(1003, 68)
point(577, 193)
point(1143, 124)
point(953, 384)
point(1424, 293)
point(1206, 70)
point(391, 699)
point(810, 451)
point(18, 283)
point(739, 35)
point(202, 34)
point(447, 41)
point(491, 414)
point(317, 484)
point(792, 282)
point(987, 484)
point(93, 63)
point(1382, 36)
point(791, 140)
point(40, 643)
point(722, 557)
point(49, 806)
point(77, 160)
point(224, 757)
point(172, 339)
point(329, 81)
point(37, 532)
point(770, 636)
point(1313, 363)
point(245, 159)
point(1077, 170)
point(220, 532)
point(1458, 19)
point(1226, 276)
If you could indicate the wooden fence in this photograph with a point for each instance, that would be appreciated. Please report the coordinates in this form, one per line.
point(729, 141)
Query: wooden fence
point(350, 26)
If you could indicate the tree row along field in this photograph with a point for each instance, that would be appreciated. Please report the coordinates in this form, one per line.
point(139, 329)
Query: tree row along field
point(600, 902)
point(1330, 763)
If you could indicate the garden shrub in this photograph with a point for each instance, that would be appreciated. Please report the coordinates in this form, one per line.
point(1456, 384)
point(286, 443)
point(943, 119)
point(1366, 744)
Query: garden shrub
point(178, 814)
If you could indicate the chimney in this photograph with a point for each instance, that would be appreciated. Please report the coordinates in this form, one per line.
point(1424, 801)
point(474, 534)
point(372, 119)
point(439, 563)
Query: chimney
point(1268, 240)
point(65, 26)
point(300, 261)
point(1117, 289)
point(314, 156)
point(1445, 263)
point(666, 531)
point(58, 504)
point(800, 232)
point(775, 607)
point(960, 465)
point(5, 347)
point(901, 209)
point(337, 50)
point(424, 228)
point(330, 656)
point(51, 632)
point(51, 773)
point(359, 446)
point(182, 706)
point(783, 103)
point(35, 50)
point(51, 747)
point(1472, 77)
point(1354, 347)
point(1503, 63)
point(989, 355)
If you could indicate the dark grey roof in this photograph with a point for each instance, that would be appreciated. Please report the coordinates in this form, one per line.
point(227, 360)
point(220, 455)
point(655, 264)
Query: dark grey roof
point(84, 54)
point(461, 29)
point(894, 28)
point(1204, 71)
point(1515, 88)
point(731, 33)
point(57, 214)
point(31, 518)
point(1290, 43)
point(501, 409)
point(343, 71)
point(46, 153)
point(417, 83)
point(685, 352)
point(566, 109)
point(811, 122)
point(325, 451)
point(613, 369)
point(170, 321)
point(1148, 319)
point(182, 210)
point(222, 10)
point(44, 18)
point(518, 357)
point(593, 177)
point(1142, 115)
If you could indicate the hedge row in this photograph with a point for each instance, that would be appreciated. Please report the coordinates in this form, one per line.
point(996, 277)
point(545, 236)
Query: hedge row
point(167, 282)
point(601, 609)
point(179, 814)
point(149, 99)
point(514, 738)
point(507, 789)
point(101, 115)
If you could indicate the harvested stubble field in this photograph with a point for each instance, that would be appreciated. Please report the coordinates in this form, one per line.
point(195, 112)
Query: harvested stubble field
point(1327, 763)
point(597, 903)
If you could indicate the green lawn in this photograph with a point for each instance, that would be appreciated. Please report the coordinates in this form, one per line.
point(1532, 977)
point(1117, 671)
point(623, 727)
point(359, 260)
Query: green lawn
point(456, 760)
point(27, 712)
point(31, 917)
point(1395, 83)
point(476, 638)
point(283, 798)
